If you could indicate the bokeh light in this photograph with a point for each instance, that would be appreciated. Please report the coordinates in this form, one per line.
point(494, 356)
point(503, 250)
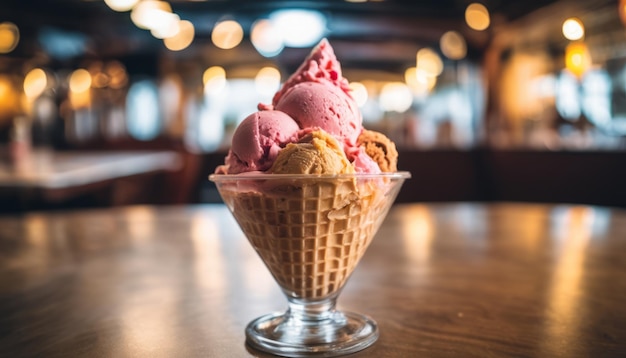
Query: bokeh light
point(419, 81)
point(266, 39)
point(168, 27)
point(35, 83)
point(299, 28)
point(429, 61)
point(214, 80)
point(182, 39)
point(79, 85)
point(80, 81)
point(149, 14)
point(453, 45)
point(477, 16)
point(621, 9)
point(116, 71)
point(142, 110)
point(395, 97)
point(267, 81)
point(227, 34)
point(359, 93)
point(573, 29)
point(121, 5)
point(9, 98)
point(577, 58)
point(9, 37)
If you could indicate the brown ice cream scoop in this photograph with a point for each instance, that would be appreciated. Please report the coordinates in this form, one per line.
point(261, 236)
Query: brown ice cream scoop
point(315, 153)
point(380, 148)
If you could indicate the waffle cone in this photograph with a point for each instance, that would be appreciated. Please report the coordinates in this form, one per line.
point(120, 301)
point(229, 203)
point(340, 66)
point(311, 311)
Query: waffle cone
point(311, 237)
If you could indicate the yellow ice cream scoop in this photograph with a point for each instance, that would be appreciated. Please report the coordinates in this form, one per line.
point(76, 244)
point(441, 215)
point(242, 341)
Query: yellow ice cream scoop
point(315, 153)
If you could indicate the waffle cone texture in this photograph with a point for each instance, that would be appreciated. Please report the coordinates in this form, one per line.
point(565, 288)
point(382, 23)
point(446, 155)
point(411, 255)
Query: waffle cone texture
point(310, 236)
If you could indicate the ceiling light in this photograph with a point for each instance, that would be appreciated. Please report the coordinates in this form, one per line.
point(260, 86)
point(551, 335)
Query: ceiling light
point(9, 37)
point(419, 81)
point(266, 39)
point(429, 61)
point(299, 28)
point(227, 34)
point(121, 5)
point(477, 16)
point(80, 81)
point(359, 93)
point(214, 79)
point(168, 27)
point(149, 14)
point(35, 83)
point(453, 45)
point(182, 39)
point(396, 97)
point(573, 29)
point(577, 58)
point(267, 81)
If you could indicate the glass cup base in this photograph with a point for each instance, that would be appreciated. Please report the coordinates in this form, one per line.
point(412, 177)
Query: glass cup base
point(338, 334)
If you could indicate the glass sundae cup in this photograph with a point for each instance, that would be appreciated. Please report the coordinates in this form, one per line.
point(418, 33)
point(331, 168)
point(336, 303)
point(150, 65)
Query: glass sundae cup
point(310, 231)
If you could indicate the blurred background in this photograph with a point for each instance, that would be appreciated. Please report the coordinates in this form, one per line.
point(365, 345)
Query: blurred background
point(115, 102)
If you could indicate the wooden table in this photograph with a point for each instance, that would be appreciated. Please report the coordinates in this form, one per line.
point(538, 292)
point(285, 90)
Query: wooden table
point(445, 280)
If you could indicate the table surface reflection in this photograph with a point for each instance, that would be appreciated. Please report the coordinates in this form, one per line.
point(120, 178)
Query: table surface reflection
point(441, 280)
point(47, 169)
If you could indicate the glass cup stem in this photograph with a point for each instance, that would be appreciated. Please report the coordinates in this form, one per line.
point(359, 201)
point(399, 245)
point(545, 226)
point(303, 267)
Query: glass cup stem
point(312, 326)
point(315, 312)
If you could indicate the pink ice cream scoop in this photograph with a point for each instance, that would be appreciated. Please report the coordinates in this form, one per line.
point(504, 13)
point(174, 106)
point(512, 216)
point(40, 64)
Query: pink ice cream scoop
point(317, 105)
point(362, 162)
point(257, 141)
point(320, 66)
